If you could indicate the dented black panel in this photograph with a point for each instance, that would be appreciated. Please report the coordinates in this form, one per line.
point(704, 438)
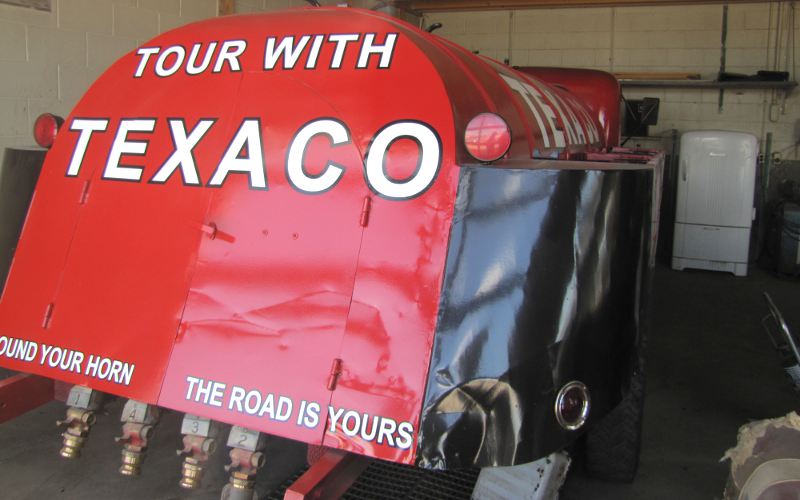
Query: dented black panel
point(542, 286)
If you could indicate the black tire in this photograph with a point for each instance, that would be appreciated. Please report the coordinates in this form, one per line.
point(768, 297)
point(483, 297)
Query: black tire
point(613, 444)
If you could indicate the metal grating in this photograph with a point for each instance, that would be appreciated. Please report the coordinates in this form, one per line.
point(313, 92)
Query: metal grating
point(277, 493)
point(387, 480)
point(390, 481)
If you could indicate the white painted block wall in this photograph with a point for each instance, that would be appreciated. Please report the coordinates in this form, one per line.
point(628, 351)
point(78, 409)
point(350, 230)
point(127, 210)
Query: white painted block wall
point(48, 59)
point(685, 38)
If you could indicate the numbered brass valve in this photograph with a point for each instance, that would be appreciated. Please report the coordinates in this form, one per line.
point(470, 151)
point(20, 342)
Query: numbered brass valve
point(199, 442)
point(138, 423)
point(246, 459)
point(82, 403)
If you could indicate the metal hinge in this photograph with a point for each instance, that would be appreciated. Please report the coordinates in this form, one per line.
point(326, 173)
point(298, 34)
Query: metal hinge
point(336, 370)
point(84, 193)
point(365, 209)
point(48, 315)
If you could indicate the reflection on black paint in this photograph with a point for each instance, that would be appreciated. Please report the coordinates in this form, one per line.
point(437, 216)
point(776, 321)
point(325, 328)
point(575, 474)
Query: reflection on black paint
point(542, 286)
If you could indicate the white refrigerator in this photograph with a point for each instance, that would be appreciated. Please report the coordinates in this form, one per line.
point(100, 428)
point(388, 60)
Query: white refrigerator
point(714, 213)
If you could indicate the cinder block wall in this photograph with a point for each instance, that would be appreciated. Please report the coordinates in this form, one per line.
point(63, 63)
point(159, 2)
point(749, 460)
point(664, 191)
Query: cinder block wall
point(244, 6)
point(49, 59)
point(684, 38)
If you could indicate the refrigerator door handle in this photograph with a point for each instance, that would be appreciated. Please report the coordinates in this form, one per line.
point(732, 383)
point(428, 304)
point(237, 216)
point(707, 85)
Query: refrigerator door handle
point(684, 168)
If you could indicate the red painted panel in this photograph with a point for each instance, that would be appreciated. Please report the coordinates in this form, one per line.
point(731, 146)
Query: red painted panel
point(113, 257)
point(268, 303)
point(42, 251)
point(386, 351)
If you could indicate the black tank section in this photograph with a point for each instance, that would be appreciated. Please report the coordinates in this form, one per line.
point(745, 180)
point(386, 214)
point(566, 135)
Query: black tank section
point(544, 284)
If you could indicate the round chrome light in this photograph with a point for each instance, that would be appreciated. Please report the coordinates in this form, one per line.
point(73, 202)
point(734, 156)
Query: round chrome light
point(487, 137)
point(572, 405)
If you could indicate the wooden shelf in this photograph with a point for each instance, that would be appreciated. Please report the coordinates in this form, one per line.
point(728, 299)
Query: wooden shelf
point(708, 84)
point(462, 5)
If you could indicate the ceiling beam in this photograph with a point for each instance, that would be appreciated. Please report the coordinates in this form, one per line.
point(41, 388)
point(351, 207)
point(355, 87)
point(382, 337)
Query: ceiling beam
point(448, 5)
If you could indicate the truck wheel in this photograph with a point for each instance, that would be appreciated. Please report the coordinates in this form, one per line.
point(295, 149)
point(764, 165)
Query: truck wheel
point(613, 444)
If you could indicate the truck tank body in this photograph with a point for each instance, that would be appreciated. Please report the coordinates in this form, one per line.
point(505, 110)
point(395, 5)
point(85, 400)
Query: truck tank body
point(598, 90)
point(273, 221)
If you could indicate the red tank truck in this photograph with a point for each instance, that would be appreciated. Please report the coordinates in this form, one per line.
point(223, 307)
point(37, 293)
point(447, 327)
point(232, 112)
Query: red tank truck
point(328, 225)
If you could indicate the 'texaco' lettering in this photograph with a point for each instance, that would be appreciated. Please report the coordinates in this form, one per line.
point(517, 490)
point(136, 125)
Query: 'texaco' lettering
point(244, 154)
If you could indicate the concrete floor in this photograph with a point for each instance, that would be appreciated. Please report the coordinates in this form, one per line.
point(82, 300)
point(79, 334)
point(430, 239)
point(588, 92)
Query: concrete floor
point(710, 368)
